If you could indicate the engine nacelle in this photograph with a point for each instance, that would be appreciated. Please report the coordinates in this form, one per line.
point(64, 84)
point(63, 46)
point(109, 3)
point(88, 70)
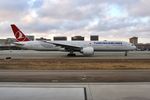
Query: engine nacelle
point(88, 51)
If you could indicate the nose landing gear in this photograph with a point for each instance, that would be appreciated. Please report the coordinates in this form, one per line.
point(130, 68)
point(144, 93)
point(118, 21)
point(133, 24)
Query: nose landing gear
point(126, 53)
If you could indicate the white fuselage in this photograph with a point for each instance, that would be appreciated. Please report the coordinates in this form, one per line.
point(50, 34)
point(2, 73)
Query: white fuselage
point(97, 45)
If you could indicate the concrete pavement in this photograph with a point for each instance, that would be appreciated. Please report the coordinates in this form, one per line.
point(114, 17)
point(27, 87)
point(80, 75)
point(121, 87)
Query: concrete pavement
point(75, 76)
point(30, 54)
point(75, 91)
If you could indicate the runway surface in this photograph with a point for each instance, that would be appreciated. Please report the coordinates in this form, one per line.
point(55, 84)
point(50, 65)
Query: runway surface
point(30, 54)
point(75, 91)
point(75, 76)
point(74, 84)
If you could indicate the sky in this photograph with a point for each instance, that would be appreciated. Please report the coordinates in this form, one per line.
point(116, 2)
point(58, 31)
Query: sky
point(110, 19)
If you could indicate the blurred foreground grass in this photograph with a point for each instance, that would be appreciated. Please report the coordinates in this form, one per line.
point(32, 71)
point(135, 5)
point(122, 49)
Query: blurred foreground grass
point(74, 64)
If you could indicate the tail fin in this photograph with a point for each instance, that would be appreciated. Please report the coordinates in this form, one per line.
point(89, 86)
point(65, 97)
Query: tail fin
point(20, 37)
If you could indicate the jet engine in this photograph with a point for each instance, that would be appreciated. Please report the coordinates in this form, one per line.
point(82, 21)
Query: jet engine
point(88, 51)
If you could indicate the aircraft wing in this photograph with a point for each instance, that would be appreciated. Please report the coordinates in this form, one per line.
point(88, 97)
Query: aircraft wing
point(66, 46)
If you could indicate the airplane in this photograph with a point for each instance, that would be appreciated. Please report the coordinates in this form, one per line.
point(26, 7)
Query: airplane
point(87, 48)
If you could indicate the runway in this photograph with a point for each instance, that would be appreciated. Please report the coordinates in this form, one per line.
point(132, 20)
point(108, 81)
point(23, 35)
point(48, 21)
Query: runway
point(74, 91)
point(75, 76)
point(30, 54)
point(74, 84)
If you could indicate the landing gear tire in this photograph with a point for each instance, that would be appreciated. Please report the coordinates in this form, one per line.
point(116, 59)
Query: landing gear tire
point(126, 53)
point(71, 55)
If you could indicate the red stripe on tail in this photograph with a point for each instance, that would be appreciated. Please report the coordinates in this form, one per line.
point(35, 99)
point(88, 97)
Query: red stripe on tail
point(18, 34)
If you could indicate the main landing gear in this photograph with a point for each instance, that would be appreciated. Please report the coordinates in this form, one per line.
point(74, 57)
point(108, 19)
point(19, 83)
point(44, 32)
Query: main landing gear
point(71, 54)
